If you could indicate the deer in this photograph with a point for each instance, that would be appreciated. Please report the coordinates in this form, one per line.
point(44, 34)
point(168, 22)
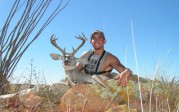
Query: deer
point(69, 62)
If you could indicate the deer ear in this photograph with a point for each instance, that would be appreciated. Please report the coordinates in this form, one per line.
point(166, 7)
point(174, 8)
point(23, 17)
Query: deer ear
point(56, 56)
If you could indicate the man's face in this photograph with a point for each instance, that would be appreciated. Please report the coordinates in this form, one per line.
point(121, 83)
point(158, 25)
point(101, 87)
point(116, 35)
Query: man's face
point(97, 42)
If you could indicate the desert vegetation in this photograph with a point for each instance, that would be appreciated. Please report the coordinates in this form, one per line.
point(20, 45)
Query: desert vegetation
point(158, 95)
point(16, 33)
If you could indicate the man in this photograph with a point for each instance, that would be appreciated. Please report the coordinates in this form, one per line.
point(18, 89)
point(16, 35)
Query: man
point(101, 62)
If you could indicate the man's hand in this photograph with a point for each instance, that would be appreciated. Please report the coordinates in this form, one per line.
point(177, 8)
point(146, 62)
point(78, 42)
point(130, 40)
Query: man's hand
point(123, 78)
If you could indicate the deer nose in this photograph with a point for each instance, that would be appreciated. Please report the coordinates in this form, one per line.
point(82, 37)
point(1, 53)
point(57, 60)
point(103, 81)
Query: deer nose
point(66, 62)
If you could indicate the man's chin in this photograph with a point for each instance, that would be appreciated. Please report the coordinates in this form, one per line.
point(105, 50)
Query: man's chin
point(97, 48)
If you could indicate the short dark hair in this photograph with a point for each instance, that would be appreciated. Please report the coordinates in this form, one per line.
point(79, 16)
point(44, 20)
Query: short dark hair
point(100, 33)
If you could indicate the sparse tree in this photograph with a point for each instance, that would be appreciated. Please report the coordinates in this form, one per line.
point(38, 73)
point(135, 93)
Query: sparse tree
point(16, 34)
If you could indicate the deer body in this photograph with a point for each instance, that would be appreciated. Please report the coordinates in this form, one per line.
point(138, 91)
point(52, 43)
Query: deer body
point(69, 63)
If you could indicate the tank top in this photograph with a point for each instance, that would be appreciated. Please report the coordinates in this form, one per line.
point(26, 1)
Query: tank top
point(95, 62)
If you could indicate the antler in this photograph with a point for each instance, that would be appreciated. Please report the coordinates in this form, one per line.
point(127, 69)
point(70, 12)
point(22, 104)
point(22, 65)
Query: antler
point(53, 42)
point(83, 38)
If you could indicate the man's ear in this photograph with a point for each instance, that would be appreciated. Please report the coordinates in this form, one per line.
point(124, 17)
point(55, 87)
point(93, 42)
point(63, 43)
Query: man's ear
point(104, 41)
point(90, 41)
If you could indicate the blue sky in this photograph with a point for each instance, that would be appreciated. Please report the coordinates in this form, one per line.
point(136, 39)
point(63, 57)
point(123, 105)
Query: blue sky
point(155, 27)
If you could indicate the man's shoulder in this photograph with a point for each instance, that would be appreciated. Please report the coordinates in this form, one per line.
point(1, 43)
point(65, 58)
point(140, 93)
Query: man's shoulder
point(110, 55)
point(89, 51)
point(85, 53)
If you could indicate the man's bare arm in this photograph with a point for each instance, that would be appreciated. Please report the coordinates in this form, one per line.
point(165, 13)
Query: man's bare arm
point(125, 73)
point(116, 64)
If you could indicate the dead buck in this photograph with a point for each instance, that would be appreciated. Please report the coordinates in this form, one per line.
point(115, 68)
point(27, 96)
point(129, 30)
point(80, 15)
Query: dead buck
point(70, 61)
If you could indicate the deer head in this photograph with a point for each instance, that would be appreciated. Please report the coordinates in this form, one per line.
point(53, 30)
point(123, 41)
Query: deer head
point(69, 60)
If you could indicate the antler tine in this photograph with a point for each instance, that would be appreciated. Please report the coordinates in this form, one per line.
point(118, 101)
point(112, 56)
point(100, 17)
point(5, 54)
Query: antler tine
point(53, 42)
point(83, 38)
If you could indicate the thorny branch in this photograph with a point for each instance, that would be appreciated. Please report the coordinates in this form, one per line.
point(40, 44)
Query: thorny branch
point(16, 38)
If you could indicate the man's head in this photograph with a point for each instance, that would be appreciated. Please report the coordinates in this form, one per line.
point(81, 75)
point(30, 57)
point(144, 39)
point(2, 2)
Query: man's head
point(98, 40)
point(100, 33)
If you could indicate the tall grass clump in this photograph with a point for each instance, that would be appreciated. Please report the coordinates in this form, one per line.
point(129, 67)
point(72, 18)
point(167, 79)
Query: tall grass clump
point(169, 93)
point(137, 66)
point(162, 92)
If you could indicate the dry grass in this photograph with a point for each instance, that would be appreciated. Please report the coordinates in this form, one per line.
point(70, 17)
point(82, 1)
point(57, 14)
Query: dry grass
point(160, 94)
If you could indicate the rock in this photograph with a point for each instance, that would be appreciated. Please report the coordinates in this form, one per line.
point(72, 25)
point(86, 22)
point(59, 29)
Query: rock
point(31, 100)
point(4, 110)
point(9, 100)
point(20, 101)
point(104, 96)
point(59, 88)
point(121, 108)
point(84, 98)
